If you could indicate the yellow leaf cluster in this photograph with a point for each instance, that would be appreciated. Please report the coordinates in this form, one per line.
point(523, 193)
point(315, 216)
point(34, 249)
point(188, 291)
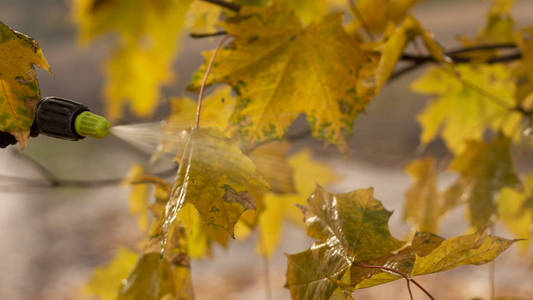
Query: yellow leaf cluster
point(149, 32)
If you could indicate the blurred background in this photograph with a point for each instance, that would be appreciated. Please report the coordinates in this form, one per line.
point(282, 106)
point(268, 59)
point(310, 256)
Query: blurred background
point(52, 238)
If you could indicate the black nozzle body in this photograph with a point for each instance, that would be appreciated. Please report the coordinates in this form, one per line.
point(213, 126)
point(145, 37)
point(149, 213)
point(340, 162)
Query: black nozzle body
point(56, 116)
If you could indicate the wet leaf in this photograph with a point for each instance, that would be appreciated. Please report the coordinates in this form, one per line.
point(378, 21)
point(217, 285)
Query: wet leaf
point(476, 249)
point(106, 280)
point(352, 236)
point(350, 227)
point(19, 88)
point(142, 56)
point(422, 205)
point(280, 72)
point(216, 178)
point(463, 109)
point(484, 169)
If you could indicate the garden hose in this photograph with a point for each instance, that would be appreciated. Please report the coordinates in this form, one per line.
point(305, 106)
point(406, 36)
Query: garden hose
point(63, 119)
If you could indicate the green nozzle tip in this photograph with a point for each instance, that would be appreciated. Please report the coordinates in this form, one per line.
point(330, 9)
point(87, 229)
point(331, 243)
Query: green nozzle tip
point(89, 124)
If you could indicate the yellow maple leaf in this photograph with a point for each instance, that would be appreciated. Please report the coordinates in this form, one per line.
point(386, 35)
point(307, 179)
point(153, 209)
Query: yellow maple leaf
point(216, 178)
point(142, 56)
point(19, 88)
point(281, 71)
point(469, 102)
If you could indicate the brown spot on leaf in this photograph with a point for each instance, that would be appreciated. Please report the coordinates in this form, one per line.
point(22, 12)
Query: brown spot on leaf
point(244, 198)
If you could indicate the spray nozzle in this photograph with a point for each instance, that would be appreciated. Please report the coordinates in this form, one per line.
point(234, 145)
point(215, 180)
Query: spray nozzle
point(89, 124)
point(69, 120)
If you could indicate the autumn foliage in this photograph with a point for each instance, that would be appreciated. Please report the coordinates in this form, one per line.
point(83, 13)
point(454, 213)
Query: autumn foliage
point(280, 59)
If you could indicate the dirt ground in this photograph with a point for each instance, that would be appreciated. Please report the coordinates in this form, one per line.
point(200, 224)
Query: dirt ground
point(50, 239)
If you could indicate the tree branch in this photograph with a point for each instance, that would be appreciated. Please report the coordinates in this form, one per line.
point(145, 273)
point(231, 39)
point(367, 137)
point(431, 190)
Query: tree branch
point(57, 183)
point(206, 35)
point(231, 6)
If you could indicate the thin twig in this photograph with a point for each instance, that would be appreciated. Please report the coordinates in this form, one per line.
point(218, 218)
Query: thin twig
point(231, 6)
point(56, 183)
point(205, 35)
point(204, 81)
point(422, 288)
point(420, 61)
point(393, 271)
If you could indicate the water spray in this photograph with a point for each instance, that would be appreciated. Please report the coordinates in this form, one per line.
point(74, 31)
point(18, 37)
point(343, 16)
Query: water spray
point(63, 119)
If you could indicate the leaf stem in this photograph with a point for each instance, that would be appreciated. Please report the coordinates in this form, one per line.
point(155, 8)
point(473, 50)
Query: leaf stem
point(204, 81)
point(393, 271)
point(422, 288)
point(405, 276)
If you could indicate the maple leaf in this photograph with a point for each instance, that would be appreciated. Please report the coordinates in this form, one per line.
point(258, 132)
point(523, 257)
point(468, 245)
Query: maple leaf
point(484, 169)
point(106, 280)
point(515, 209)
point(475, 249)
point(216, 178)
point(422, 198)
point(19, 88)
point(281, 71)
point(142, 57)
point(479, 97)
point(350, 227)
point(352, 237)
